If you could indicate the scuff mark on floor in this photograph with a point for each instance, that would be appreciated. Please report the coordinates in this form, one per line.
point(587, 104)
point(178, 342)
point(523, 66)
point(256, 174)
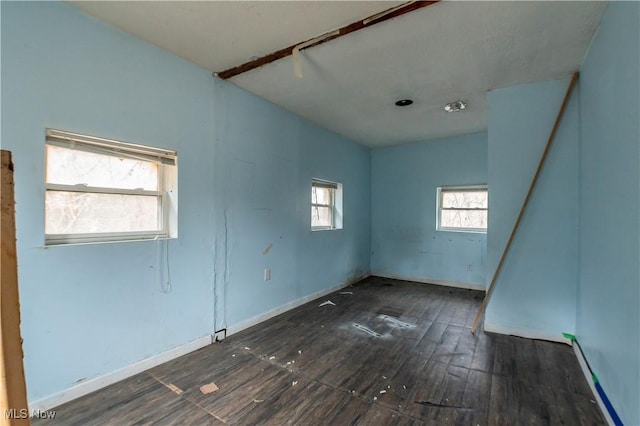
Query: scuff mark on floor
point(396, 322)
point(367, 330)
point(454, 407)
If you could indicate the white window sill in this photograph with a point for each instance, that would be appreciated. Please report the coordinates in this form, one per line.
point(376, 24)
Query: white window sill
point(464, 231)
point(85, 243)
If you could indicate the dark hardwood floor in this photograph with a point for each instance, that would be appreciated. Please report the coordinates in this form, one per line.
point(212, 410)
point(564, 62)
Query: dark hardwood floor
point(391, 353)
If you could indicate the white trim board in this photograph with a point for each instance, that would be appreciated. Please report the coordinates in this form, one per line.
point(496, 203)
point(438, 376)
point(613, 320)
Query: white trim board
point(290, 305)
point(445, 283)
point(525, 332)
point(91, 385)
point(587, 375)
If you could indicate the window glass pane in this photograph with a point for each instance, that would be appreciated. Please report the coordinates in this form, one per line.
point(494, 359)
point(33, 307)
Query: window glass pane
point(321, 216)
point(320, 195)
point(72, 167)
point(463, 219)
point(465, 199)
point(85, 212)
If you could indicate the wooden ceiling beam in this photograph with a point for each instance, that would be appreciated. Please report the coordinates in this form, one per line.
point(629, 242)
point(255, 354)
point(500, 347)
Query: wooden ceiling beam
point(330, 35)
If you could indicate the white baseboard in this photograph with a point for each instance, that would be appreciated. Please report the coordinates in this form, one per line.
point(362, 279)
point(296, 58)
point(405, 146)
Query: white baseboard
point(587, 375)
point(290, 305)
point(445, 283)
point(91, 385)
point(525, 332)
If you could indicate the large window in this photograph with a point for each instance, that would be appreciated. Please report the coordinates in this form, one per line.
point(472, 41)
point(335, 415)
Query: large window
point(105, 190)
point(326, 205)
point(462, 208)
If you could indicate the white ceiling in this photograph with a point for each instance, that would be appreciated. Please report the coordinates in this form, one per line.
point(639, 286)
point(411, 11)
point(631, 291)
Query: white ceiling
point(218, 35)
point(448, 51)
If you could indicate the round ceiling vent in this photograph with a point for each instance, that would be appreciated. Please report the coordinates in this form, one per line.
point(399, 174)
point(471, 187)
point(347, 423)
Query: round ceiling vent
point(404, 102)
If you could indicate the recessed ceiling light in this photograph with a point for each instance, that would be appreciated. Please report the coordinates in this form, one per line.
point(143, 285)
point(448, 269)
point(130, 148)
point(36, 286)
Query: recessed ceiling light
point(455, 106)
point(404, 102)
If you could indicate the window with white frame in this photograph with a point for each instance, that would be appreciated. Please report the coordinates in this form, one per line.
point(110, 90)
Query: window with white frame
point(462, 208)
point(105, 190)
point(326, 205)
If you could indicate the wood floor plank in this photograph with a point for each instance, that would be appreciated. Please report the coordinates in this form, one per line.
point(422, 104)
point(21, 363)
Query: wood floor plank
point(379, 415)
point(454, 386)
point(429, 390)
point(210, 364)
point(237, 394)
point(135, 400)
point(477, 394)
point(461, 314)
point(463, 353)
point(392, 353)
point(447, 312)
point(350, 413)
point(505, 357)
point(401, 383)
point(527, 361)
point(484, 354)
point(445, 351)
point(435, 332)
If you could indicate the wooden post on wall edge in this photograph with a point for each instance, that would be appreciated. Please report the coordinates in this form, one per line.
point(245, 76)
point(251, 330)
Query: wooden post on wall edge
point(13, 390)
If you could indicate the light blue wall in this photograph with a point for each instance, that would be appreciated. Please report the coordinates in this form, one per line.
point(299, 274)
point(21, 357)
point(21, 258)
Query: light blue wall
point(404, 240)
point(608, 317)
point(245, 169)
point(264, 171)
point(90, 309)
point(536, 291)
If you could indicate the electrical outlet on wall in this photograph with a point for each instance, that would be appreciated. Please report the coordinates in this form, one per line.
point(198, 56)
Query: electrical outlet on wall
point(267, 274)
point(470, 267)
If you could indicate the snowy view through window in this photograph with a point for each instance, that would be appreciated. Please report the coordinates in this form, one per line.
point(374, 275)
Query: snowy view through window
point(321, 207)
point(464, 209)
point(101, 193)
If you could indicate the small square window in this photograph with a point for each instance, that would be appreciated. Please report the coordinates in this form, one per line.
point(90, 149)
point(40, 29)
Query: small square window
point(462, 208)
point(326, 205)
point(104, 190)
